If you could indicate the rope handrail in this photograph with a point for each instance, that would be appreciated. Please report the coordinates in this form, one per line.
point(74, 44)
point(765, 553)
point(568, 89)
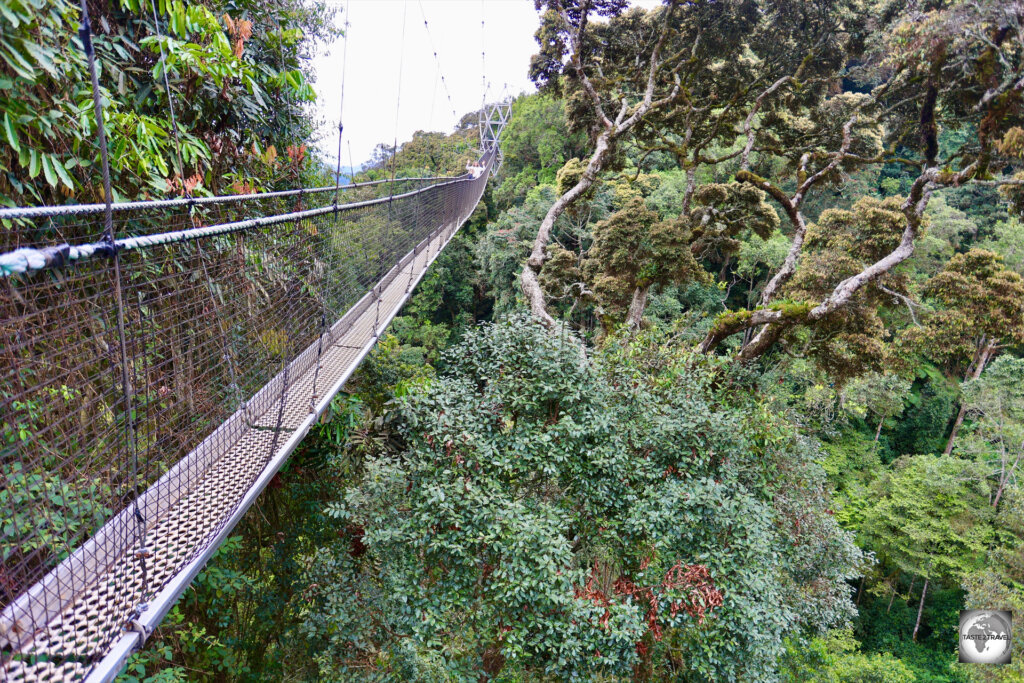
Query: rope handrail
point(29, 259)
point(18, 212)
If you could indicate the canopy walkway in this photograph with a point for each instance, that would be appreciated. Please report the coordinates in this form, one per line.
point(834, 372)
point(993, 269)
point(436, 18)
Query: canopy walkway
point(152, 386)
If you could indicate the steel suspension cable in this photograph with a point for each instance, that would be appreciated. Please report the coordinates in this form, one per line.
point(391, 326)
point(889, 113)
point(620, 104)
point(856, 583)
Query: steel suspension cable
point(341, 106)
point(440, 70)
point(337, 178)
point(28, 212)
point(483, 57)
point(131, 445)
point(394, 152)
point(170, 110)
point(398, 96)
point(433, 98)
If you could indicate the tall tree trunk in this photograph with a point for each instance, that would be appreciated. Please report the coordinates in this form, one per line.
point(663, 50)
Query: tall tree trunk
point(920, 608)
point(979, 365)
point(637, 306)
point(878, 433)
point(528, 278)
point(860, 591)
point(1004, 474)
point(628, 117)
point(895, 586)
point(724, 270)
point(999, 492)
point(956, 428)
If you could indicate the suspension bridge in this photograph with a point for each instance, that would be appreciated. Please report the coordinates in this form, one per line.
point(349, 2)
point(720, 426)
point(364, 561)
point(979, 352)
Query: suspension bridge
point(128, 461)
point(161, 360)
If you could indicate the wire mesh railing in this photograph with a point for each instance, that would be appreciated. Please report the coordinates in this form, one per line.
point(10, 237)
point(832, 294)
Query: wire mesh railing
point(229, 308)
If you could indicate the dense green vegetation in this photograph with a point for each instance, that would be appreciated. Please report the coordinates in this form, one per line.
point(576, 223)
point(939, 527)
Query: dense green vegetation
point(723, 381)
point(239, 90)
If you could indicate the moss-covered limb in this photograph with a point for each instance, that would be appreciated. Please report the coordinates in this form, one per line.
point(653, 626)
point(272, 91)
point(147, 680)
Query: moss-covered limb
point(604, 146)
point(763, 340)
point(796, 219)
point(748, 128)
point(792, 311)
point(730, 323)
point(791, 314)
point(774, 191)
point(780, 315)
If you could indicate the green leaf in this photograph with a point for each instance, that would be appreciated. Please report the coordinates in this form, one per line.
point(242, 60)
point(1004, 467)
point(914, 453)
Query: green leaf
point(33, 165)
point(12, 135)
point(48, 172)
point(16, 61)
point(43, 57)
point(64, 177)
point(13, 18)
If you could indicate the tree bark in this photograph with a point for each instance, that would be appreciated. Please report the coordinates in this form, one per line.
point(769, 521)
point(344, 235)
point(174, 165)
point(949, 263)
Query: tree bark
point(1004, 474)
point(528, 279)
point(920, 608)
point(956, 428)
point(792, 257)
point(878, 432)
point(636, 307)
point(762, 341)
point(791, 205)
point(979, 365)
point(999, 491)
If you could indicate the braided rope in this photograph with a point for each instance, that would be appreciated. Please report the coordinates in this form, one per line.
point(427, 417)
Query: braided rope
point(27, 259)
point(17, 212)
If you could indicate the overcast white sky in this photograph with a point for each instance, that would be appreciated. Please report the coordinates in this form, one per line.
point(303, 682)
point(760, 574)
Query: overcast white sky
point(376, 53)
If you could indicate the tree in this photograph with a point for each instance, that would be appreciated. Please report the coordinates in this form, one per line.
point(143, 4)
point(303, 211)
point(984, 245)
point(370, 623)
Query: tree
point(1007, 240)
point(634, 251)
point(780, 118)
point(998, 584)
point(536, 143)
point(982, 310)
point(840, 245)
point(716, 62)
point(238, 85)
point(564, 31)
point(969, 80)
point(545, 518)
point(837, 659)
point(757, 259)
point(931, 519)
point(434, 154)
point(950, 231)
point(995, 401)
point(641, 73)
point(881, 396)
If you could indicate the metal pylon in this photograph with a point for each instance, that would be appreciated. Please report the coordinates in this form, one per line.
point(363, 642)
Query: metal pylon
point(493, 118)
